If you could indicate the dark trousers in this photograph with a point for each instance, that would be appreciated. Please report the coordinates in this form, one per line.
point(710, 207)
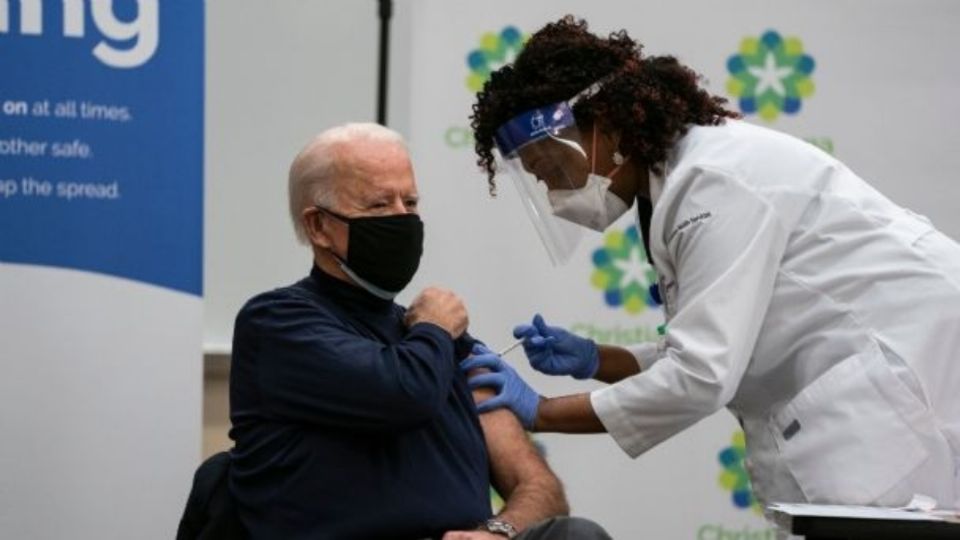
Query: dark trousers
point(564, 528)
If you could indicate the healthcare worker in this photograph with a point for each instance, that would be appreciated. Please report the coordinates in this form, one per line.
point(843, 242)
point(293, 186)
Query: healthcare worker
point(825, 317)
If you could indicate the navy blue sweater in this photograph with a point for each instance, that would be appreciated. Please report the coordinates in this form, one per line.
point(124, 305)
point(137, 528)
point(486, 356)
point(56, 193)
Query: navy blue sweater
point(346, 423)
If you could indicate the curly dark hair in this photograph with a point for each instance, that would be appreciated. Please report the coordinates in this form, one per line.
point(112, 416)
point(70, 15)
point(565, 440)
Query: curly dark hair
point(650, 101)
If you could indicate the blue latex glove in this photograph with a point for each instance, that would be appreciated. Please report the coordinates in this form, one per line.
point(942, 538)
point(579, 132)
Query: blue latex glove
point(555, 351)
point(512, 391)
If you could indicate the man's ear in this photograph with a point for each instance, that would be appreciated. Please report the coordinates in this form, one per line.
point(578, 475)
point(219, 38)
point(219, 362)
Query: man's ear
point(313, 224)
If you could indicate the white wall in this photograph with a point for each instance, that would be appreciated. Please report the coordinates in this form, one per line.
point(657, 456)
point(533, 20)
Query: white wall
point(278, 72)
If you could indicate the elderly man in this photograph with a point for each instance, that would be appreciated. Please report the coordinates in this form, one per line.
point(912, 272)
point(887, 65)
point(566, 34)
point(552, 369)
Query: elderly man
point(350, 415)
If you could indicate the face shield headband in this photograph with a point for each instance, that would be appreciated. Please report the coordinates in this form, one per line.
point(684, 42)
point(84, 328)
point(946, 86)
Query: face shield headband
point(544, 153)
point(549, 121)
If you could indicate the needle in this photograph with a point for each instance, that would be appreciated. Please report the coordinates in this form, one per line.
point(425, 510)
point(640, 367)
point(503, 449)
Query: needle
point(511, 347)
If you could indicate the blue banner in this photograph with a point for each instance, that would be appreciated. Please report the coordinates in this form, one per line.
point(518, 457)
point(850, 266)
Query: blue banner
point(101, 138)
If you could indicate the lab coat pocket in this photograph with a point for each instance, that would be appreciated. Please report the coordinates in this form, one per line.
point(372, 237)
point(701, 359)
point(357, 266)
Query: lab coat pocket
point(847, 437)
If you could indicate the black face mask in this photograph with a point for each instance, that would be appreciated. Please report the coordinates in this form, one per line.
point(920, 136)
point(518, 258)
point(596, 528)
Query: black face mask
point(383, 252)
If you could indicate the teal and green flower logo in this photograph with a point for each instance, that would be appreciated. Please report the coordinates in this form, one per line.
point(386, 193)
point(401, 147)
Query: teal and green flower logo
point(495, 50)
point(734, 477)
point(622, 271)
point(770, 75)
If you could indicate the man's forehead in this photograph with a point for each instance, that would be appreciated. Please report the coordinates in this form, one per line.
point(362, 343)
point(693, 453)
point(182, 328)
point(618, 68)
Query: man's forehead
point(377, 170)
point(372, 153)
point(377, 186)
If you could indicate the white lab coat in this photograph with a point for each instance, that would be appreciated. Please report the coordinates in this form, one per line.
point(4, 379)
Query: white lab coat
point(822, 315)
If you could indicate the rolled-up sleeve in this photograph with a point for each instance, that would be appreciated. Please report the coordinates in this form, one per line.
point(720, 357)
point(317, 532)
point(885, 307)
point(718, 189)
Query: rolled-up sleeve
point(310, 367)
point(725, 242)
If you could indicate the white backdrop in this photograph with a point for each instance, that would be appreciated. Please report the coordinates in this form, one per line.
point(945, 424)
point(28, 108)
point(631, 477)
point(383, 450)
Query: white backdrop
point(884, 101)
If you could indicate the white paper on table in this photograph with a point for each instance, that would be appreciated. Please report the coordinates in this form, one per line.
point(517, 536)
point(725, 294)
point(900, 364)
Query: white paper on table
point(860, 512)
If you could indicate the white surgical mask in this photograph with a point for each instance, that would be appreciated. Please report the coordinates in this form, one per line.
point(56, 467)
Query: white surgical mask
point(593, 205)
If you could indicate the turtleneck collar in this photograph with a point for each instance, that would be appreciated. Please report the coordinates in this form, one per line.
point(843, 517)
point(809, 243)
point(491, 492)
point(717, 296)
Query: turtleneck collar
point(345, 293)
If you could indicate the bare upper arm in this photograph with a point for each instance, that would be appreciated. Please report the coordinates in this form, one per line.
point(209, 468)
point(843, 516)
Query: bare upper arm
point(513, 457)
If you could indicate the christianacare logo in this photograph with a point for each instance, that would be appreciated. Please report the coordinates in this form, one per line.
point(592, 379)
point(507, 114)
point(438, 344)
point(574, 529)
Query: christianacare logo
point(623, 273)
point(495, 50)
point(734, 477)
point(770, 75)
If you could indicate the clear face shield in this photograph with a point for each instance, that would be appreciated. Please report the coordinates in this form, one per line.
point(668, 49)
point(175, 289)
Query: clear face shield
point(543, 152)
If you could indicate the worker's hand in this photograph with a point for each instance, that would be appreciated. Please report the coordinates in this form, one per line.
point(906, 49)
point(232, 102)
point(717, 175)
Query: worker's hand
point(440, 307)
point(512, 391)
point(555, 351)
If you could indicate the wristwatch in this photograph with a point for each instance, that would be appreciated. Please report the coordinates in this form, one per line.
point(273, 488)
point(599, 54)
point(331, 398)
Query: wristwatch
point(497, 526)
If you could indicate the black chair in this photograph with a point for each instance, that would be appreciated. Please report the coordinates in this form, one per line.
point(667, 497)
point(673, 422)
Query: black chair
point(211, 512)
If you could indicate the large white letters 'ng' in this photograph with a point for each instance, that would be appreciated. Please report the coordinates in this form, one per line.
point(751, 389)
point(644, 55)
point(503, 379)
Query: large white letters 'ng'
point(143, 31)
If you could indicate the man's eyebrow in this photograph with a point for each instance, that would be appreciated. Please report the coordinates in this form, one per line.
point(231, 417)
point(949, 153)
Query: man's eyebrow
point(378, 194)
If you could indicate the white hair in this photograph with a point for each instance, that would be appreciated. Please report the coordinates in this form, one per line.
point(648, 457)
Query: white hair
point(313, 171)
